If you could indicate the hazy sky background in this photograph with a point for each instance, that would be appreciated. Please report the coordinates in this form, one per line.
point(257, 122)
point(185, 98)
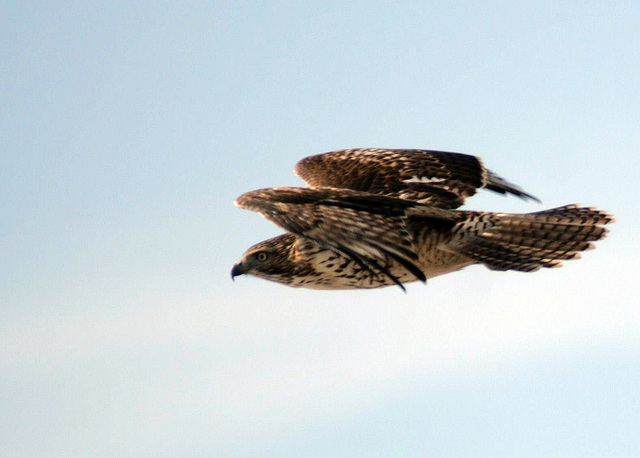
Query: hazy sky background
point(127, 129)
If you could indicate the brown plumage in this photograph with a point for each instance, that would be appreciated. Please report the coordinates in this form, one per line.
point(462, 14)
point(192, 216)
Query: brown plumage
point(374, 218)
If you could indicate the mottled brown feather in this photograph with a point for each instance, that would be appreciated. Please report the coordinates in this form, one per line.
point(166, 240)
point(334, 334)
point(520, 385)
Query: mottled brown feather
point(436, 178)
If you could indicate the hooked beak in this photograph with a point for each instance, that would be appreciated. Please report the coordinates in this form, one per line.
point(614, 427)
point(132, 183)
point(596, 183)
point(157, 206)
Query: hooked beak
point(237, 269)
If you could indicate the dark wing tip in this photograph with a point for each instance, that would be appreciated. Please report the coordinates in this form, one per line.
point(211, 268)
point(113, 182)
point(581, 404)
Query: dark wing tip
point(410, 266)
point(498, 184)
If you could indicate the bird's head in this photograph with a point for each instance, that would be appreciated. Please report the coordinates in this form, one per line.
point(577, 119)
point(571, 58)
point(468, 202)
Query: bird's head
point(270, 259)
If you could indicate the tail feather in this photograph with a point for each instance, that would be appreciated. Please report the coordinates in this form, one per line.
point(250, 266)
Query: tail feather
point(527, 242)
point(573, 214)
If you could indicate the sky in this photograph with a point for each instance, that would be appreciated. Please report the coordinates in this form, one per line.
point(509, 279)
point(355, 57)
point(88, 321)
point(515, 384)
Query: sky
point(128, 129)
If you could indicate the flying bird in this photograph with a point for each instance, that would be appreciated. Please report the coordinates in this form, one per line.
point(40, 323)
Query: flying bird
point(372, 218)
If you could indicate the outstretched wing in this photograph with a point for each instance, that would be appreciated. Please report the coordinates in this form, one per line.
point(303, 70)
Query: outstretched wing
point(367, 229)
point(435, 178)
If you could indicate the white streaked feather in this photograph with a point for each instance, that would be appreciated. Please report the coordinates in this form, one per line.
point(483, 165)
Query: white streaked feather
point(426, 180)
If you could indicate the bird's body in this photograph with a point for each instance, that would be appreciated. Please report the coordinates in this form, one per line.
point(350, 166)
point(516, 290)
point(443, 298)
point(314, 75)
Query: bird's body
point(375, 218)
point(314, 267)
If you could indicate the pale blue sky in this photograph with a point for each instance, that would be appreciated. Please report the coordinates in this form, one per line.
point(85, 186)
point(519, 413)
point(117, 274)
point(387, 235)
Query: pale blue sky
point(128, 129)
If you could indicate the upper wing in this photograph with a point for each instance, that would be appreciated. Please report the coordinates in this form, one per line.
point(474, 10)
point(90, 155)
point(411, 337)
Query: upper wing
point(435, 178)
point(364, 228)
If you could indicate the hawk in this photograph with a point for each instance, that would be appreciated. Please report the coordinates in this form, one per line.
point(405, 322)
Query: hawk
point(372, 218)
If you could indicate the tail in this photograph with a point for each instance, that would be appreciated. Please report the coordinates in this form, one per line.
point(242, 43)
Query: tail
point(527, 242)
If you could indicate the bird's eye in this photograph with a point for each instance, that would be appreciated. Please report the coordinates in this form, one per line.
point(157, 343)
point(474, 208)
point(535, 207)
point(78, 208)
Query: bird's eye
point(262, 256)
